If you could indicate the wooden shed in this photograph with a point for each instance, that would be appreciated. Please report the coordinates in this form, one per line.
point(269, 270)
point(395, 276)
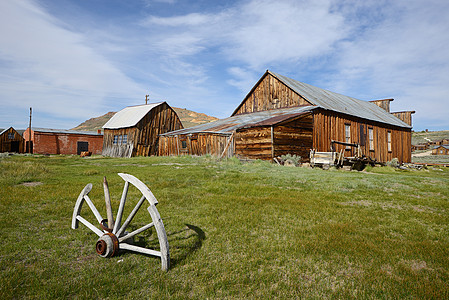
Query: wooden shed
point(62, 141)
point(11, 141)
point(441, 150)
point(134, 131)
point(298, 117)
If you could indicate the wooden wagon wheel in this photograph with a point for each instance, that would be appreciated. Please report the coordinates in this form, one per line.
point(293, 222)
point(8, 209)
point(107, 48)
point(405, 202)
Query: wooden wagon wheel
point(112, 234)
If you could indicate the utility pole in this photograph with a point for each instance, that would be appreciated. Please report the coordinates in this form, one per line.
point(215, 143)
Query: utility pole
point(146, 99)
point(29, 134)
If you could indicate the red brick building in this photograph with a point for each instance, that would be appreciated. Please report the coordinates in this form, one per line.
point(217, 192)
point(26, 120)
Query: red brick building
point(60, 141)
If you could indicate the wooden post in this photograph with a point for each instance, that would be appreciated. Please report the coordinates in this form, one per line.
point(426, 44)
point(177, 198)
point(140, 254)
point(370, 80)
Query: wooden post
point(107, 199)
point(29, 134)
point(146, 99)
point(272, 142)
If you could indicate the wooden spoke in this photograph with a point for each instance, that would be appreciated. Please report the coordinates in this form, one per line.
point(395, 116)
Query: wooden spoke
point(130, 217)
point(121, 207)
point(90, 226)
point(137, 231)
point(93, 208)
point(140, 249)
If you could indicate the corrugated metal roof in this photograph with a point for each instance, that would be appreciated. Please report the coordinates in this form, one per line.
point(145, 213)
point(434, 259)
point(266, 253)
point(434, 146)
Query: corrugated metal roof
point(444, 146)
point(228, 125)
point(129, 116)
point(341, 103)
point(49, 130)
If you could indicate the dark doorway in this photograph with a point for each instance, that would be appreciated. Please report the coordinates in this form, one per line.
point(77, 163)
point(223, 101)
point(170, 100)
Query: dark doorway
point(82, 147)
point(15, 146)
point(28, 148)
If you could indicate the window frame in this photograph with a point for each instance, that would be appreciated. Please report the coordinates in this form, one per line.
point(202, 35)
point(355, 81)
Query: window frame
point(115, 140)
point(348, 134)
point(371, 138)
point(389, 141)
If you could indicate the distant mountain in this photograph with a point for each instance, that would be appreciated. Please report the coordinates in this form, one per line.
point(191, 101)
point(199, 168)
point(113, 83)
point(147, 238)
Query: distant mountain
point(188, 118)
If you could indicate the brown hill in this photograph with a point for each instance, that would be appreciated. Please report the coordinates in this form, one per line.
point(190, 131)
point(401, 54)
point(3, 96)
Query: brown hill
point(188, 118)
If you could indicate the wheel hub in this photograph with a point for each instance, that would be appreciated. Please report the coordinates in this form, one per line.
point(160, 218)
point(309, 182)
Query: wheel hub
point(107, 245)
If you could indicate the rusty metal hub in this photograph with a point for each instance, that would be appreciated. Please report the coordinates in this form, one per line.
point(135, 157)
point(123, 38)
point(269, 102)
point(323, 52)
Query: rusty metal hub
point(107, 245)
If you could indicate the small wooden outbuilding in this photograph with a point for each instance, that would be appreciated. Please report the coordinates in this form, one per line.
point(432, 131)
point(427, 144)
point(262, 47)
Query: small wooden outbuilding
point(134, 131)
point(441, 150)
point(11, 141)
point(297, 117)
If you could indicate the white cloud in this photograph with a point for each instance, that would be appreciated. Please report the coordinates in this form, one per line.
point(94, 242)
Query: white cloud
point(51, 68)
point(243, 79)
point(403, 56)
point(256, 33)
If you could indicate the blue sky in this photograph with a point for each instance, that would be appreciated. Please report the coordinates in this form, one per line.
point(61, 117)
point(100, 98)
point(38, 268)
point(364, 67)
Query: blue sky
point(72, 60)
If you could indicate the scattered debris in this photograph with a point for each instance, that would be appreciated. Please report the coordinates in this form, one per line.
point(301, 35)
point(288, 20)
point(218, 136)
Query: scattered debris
point(32, 183)
point(85, 153)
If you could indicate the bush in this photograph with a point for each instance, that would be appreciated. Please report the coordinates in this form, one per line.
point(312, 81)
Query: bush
point(295, 159)
point(394, 163)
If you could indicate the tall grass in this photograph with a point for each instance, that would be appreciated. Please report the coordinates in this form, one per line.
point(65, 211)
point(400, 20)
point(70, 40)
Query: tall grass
point(236, 230)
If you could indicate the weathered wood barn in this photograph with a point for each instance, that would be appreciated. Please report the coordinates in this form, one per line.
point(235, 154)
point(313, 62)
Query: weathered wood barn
point(134, 131)
point(61, 141)
point(281, 115)
point(11, 141)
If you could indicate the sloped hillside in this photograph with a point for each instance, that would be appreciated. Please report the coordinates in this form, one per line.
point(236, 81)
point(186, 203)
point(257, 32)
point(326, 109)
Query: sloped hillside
point(423, 137)
point(188, 118)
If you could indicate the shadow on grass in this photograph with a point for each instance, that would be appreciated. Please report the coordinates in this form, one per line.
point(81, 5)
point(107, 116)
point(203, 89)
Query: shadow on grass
point(184, 243)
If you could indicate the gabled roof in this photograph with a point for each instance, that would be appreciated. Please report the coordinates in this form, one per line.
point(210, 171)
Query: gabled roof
point(336, 102)
point(19, 131)
point(261, 118)
point(444, 146)
point(2, 131)
point(129, 116)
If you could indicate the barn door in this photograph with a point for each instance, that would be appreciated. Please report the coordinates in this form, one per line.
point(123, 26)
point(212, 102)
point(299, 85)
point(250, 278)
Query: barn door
point(15, 146)
point(82, 147)
point(362, 135)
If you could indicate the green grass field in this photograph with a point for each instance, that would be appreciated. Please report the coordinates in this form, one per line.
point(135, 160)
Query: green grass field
point(236, 230)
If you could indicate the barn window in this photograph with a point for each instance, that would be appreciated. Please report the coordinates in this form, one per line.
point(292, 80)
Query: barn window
point(389, 140)
point(125, 139)
point(119, 140)
point(441, 151)
point(347, 134)
point(183, 144)
point(11, 135)
point(115, 140)
point(371, 139)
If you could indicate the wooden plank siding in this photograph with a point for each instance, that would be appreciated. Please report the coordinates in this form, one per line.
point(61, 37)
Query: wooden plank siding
point(266, 142)
point(196, 144)
point(254, 143)
point(330, 125)
point(270, 93)
point(12, 141)
point(294, 137)
point(405, 116)
point(142, 139)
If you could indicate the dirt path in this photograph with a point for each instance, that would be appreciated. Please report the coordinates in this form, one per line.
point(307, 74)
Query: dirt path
point(427, 153)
